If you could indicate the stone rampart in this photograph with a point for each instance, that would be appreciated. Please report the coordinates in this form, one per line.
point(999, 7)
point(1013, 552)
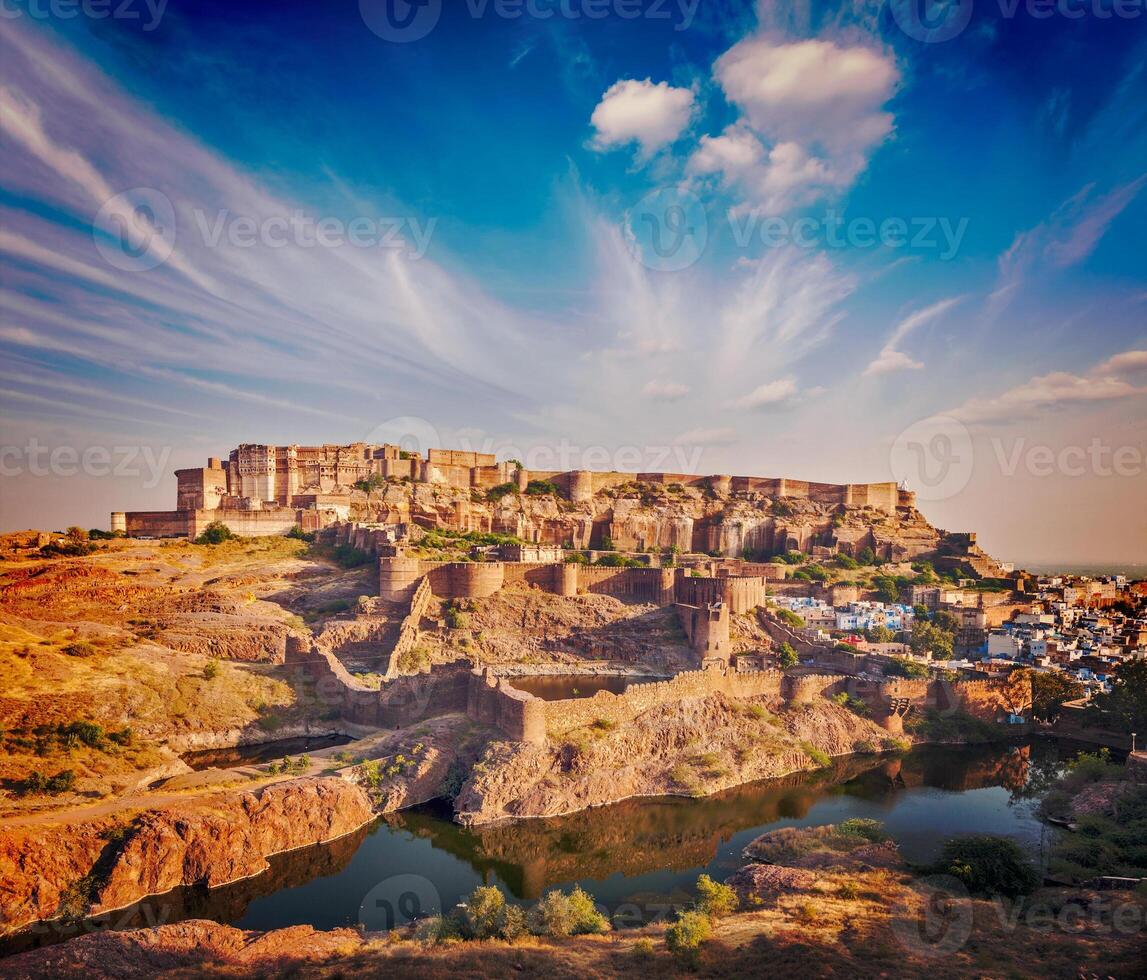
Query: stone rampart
point(619, 709)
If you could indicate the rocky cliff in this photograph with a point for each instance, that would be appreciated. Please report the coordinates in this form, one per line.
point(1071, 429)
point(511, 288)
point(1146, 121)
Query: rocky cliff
point(693, 747)
point(109, 862)
point(639, 516)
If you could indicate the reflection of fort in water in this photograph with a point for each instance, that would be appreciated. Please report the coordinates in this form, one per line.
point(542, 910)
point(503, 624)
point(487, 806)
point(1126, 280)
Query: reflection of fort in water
point(639, 836)
point(630, 838)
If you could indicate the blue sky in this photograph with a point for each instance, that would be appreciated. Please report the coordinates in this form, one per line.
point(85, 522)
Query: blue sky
point(804, 240)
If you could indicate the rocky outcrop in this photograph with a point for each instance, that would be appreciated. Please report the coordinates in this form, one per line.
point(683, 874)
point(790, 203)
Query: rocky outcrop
point(196, 947)
point(107, 863)
point(639, 516)
point(693, 747)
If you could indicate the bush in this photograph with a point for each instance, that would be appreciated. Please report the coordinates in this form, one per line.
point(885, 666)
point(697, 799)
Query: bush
point(988, 865)
point(558, 914)
point(817, 756)
point(643, 948)
point(870, 830)
point(787, 656)
point(61, 782)
point(501, 490)
point(542, 488)
point(485, 913)
point(714, 899)
point(901, 667)
point(215, 533)
point(81, 649)
point(686, 935)
point(211, 670)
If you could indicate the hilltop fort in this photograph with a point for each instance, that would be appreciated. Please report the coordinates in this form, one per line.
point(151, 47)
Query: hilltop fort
point(265, 490)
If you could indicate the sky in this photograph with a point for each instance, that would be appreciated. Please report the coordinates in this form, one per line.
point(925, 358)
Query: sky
point(843, 242)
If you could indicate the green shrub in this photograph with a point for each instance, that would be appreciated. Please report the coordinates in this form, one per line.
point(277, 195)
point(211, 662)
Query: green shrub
point(501, 490)
point(61, 782)
point(870, 830)
point(558, 914)
point(542, 488)
point(485, 912)
point(211, 669)
point(643, 948)
point(685, 936)
point(787, 656)
point(715, 899)
point(215, 533)
point(817, 756)
point(988, 865)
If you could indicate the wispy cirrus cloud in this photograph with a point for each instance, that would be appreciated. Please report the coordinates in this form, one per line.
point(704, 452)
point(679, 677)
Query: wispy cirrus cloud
point(1068, 236)
point(891, 358)
point(1121, 377)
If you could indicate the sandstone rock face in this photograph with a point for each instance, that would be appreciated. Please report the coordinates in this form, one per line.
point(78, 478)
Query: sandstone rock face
point(694, 747)
point(105, 864)
point(642, 516)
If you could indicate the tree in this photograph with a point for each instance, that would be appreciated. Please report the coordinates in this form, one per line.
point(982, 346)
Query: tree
point(989, 865)
point(928, 638)
point(880, 634)
point(1127, 702)
point(787, 656)
point(215, 533)
point(1050, 690)
point(887, 587)
point(946, 621)
point(866, 557)
point(899, 667)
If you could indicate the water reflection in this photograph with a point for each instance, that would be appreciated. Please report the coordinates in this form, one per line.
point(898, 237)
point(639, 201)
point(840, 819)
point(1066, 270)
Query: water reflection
point(645, 851)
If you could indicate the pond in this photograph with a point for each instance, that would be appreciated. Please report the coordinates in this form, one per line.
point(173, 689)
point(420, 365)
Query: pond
point(638, 858)
point(240, 755)
point(560, 687)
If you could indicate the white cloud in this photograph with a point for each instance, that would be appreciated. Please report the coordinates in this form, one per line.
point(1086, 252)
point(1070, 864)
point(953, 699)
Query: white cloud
point(650, 114)
point(890, 358)
point(812, 113)
point(769, 395)
point(1106, 382)
point(1069, 235)
point(665, 391)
